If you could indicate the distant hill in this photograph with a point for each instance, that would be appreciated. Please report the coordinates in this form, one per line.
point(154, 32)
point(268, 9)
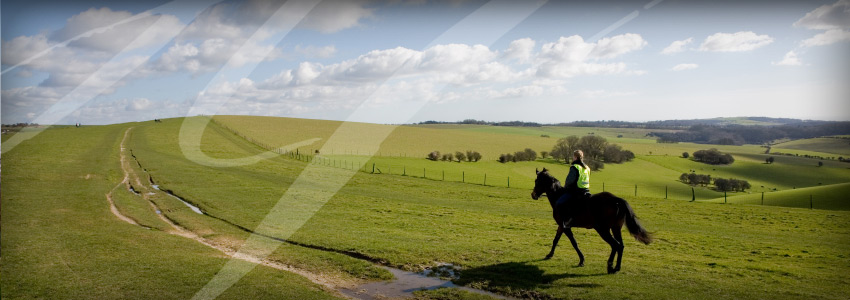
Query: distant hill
point(684, 124)
point(664, 124)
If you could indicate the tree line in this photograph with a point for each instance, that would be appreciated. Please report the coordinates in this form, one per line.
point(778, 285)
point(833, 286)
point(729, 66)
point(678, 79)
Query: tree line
point(482, 122)
point(597, 151)
point(713, 157)
point(751, 134)
point(525, 155)
point(469, 155)
point(720, 184)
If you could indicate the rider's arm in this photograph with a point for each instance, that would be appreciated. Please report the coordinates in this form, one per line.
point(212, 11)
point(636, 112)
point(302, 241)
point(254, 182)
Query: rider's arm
point(572, 178)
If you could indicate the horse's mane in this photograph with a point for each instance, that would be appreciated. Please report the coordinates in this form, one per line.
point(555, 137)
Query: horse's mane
point(556, 184)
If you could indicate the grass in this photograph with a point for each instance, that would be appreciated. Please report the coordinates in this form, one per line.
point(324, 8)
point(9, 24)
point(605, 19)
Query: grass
point(655, 171)
point(60, 240)
point(498, 235)
point(825, 147)
point(832, 197)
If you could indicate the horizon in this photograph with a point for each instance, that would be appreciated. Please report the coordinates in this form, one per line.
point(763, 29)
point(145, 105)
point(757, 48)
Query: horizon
point(453, 122)
point(406, 62)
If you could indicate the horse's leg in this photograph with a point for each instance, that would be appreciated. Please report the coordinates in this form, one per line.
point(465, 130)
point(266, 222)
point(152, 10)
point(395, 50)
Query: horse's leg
point(619, 237)
point(555, 242)
point(569, 233)
point(615, 246)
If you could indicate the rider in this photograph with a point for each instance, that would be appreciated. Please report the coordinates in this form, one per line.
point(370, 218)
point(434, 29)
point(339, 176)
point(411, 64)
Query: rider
point(577, 185)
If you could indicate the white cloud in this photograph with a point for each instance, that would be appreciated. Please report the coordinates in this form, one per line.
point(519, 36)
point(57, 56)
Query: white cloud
point(826, 17)
point(139, 104)
point(790, 59)
point(521, 50)
point(572, 56)
point(734, 42)
point(617, 45)
point(682, 67)
point(316, 52)
point(442, 73)
point(829, 37)
point(330, 16)
point(677, 46)
point(100, 32)
point(604, 94)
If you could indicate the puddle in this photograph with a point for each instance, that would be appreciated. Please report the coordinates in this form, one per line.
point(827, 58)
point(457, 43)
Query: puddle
point(405, 283)
point(443, 271)
point(132, 190)
point(194, 208)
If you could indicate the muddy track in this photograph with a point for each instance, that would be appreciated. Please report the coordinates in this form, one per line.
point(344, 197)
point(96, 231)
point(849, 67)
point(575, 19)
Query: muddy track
point(124, 182)
point(131, 176)
point(400, 288)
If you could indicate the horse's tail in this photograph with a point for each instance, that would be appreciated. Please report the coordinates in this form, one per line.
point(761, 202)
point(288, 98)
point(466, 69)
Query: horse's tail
point(634, 226)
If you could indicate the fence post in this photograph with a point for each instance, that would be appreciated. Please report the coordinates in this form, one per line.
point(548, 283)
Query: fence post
point(403, 170)
point(603, 186)
point(811, 204)
point(373, 168)
point(693, 195)
point(485, 179)
point(724, 196)
point(665, 192)
point(423, 173)
point(509, 181)
point(444, 175)
point(635, 190)
point(463, 177)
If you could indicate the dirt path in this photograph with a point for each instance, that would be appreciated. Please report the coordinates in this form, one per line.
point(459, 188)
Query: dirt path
point(401, 287)
point(131, 176)
point(125, 181)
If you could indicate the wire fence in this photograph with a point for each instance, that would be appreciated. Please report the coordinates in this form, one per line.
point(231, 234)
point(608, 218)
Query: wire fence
point(672, 192)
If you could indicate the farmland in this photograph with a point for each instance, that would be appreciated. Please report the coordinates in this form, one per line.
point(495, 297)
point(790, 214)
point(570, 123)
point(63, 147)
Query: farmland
point(494, 234)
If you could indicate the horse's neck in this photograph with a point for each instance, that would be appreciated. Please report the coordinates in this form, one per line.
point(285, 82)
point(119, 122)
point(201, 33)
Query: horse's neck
point(555, 193)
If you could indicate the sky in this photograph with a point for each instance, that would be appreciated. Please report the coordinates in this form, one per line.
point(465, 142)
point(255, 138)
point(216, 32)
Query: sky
point(396, 62)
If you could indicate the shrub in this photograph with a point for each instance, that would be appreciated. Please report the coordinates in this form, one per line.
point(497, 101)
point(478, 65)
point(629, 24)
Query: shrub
point(731, 184)
point(476, 156)
point(564, 148)
point(435, 155)
point(460, 156)
point(695, 179)
point(685, 154)
point(713, 157)
point(525, 155)
point(594, 165)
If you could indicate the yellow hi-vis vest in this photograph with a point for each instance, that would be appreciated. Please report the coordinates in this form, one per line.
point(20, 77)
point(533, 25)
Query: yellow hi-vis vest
point(583, 177)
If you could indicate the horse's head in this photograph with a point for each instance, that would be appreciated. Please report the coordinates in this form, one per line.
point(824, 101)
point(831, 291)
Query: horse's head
point(543, 184)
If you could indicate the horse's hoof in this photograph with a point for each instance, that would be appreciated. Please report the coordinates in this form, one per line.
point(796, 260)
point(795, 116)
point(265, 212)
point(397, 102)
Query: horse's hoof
point(547, 257)
point(581, 264)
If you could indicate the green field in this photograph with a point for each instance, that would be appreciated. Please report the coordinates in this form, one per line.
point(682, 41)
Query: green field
point(655, 170)
point(60, 241)
point(57, 225)
point(825, 147)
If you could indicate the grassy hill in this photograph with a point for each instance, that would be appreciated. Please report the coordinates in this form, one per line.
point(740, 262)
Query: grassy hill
point(825, 147)
point(655, 170)
point(832, 196)
point(498, 235)
point(57, 225)
point(60, 240)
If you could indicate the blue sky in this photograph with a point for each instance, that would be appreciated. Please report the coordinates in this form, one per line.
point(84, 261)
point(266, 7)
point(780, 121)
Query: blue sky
point(102, 62)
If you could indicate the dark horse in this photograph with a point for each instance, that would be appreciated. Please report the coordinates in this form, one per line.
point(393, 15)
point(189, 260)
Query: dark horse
point(602, 212)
